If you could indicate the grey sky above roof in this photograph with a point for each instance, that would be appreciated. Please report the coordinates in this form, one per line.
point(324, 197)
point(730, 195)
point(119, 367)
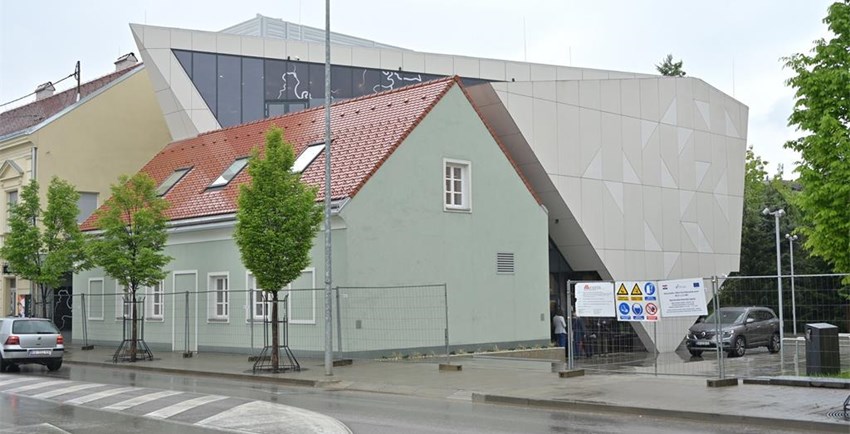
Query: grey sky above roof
point(733, 45)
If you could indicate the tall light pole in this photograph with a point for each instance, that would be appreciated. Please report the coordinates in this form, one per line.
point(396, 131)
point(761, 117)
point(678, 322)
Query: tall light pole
point(776, 215)
point(791, 239)
point(328, 257)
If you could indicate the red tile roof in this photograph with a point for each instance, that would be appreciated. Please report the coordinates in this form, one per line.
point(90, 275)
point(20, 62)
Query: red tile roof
point(35, 112)
point(365, 133)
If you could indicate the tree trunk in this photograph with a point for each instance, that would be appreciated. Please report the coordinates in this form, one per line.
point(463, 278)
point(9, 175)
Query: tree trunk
point(275, 335)
point(134, 329)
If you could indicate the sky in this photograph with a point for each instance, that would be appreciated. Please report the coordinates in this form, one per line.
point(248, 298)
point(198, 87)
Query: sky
point(736, 46)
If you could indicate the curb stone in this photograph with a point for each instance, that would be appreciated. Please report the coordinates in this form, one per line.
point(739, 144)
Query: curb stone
point(604, 407)
point(251, 377)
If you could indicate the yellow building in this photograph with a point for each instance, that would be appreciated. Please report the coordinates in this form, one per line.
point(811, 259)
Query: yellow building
point(88, 136)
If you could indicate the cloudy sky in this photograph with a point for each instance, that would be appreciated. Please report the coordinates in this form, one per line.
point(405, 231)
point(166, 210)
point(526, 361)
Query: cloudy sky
point(735, 46)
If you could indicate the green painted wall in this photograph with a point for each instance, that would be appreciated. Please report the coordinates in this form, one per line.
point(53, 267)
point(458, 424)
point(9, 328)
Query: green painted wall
point(400, 234)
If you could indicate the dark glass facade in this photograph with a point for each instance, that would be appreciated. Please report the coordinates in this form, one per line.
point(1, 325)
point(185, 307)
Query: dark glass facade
point(240, 89)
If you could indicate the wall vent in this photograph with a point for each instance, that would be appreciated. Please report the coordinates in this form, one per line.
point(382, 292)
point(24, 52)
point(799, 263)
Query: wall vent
point(504, 263)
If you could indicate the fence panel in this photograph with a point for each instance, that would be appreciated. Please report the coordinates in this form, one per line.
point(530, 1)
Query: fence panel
point(402, 321)
point(806, 299)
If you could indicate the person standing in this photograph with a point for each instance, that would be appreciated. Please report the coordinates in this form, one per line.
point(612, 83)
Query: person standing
point(560, 325)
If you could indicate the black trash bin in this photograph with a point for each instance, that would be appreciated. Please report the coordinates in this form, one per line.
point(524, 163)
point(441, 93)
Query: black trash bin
point(822, 354)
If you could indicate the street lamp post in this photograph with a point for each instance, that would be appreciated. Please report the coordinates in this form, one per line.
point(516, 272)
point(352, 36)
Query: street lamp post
point(776, 215)
point(791, 239)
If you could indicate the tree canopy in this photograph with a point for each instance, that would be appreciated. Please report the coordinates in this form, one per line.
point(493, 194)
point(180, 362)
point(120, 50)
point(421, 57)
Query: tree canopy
point(670, 68)
point(42, 246)
point(133, 233)
point(277, 216)
point(276, 221)
point(821, 114)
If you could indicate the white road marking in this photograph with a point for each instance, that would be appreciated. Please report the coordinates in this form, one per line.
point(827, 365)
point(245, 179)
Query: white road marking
point(14, 380)
point(99, 395)
point(276, 418)
point(180, 407)
point(38, 385)
point(66, 390)
point(139, 400)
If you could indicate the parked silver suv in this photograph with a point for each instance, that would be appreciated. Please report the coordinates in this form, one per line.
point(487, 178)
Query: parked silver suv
point(740, 328)
point(30, 340)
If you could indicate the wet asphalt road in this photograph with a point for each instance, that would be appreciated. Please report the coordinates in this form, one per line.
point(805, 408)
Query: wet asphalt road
point(362, 412)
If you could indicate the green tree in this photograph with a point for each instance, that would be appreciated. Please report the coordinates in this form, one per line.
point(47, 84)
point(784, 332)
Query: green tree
point(276, 221)
point(757, 239)
point(129, 247)
point(822, 112)
point(43, 246)
point(669, 68)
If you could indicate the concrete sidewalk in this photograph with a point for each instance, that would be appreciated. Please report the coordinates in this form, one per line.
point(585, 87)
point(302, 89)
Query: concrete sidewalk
point(531, 382)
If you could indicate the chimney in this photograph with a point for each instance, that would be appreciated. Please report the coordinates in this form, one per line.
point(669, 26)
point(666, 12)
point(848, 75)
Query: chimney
point(125, 61)
point(44, 91)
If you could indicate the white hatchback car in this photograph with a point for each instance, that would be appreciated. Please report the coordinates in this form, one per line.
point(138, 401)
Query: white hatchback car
point(30, 340)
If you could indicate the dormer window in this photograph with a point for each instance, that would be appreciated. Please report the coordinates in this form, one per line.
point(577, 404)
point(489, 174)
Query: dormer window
point(172, 179)
point(230, 173)
point(307, 156)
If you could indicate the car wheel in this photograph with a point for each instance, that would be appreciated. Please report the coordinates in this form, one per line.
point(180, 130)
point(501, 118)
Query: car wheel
point(3, 364)
point(695, 353)
point(54, 365)
point(774, 345)
point(739, 347)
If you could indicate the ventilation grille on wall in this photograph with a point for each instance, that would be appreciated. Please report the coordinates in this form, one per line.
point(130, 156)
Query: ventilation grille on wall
point(504, 263)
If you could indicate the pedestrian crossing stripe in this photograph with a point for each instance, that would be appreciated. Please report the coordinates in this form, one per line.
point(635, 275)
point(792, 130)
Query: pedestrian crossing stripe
point(636, 290)
point(622, 290)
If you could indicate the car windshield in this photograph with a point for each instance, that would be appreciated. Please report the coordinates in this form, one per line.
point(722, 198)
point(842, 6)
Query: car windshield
point(34, 327)
point(727, 316)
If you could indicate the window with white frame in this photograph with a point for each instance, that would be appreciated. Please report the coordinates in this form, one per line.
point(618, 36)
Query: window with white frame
point(301, 302)
point(456, 185)
point(307, 156)
point(11, 202)
point(259, 300)
point(219, 298)
point(95, 299)
point(155, 302)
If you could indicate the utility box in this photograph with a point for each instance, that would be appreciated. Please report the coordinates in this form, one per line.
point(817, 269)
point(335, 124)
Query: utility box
point(822, 354)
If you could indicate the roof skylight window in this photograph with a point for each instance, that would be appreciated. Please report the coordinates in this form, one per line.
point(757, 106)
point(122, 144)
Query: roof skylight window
point(172, 179)
point(307, 157)
point(230, 173)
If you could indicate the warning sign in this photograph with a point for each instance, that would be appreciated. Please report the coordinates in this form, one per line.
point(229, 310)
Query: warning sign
point(637, 301)
point(622, 293)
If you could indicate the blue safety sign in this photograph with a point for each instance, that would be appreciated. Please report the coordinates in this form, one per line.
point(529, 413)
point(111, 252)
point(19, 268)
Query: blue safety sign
point(637, 308)
point(624, 308)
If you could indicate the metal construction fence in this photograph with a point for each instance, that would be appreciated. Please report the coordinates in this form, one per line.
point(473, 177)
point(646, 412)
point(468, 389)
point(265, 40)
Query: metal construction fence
point(808, 331)
point(400, 321)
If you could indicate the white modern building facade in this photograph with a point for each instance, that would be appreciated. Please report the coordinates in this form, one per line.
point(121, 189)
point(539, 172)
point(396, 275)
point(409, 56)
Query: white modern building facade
point(642, 175)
